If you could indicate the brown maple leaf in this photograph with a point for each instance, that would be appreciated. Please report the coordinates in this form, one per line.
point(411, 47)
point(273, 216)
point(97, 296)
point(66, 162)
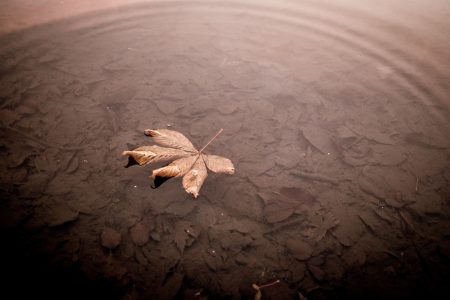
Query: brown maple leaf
point(188, 162)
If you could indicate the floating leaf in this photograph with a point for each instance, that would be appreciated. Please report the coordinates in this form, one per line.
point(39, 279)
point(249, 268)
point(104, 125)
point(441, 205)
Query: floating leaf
point(193, 180)
point(189, 163)
point(171, 139)
point(152, 154)
point(218, 164)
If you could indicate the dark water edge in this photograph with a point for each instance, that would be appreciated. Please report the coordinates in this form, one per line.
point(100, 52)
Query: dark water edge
point(338, 135)
point(38, 273)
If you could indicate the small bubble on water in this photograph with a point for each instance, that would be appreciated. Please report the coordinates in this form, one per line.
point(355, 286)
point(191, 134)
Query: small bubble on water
point(211, 251)
point(85, 161)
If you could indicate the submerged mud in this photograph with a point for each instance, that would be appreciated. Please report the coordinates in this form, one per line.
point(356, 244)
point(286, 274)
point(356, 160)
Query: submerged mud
point(335, 116)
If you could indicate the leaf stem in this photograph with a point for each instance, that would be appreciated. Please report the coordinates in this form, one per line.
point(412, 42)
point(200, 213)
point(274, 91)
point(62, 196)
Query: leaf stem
point(210, 141)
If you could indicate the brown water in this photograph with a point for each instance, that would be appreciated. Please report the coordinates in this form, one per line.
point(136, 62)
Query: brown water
point(335, 114)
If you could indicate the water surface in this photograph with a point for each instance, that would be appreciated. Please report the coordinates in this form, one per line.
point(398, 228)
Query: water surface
point(335, 115)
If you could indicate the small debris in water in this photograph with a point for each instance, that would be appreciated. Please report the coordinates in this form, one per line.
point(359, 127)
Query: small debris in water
point(258, 288)
point(211, 252)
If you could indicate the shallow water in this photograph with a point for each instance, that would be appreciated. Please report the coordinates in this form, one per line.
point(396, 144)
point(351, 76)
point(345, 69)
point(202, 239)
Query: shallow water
point(335, 115)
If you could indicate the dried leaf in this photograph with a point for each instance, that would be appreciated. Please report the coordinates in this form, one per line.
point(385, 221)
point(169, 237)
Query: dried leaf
point(171, 138)
point(152, 154)
point(218, 164)
point(299, 249)
point(140, 233)
point(171, 286)
point(177, 168)
point(318, 137)
point(193, 180)
point(258, 294)
point(183, 230)
point(61, 214)
point(282, 205)
point(189, 162)
point(110, 238)
point(277, 211)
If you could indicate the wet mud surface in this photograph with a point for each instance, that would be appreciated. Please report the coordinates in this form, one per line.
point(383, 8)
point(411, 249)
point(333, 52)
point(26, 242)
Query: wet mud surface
point(335, 117)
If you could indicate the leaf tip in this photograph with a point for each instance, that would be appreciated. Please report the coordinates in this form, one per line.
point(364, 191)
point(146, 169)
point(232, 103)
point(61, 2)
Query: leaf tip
point(152, 133)
point(192, 190)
